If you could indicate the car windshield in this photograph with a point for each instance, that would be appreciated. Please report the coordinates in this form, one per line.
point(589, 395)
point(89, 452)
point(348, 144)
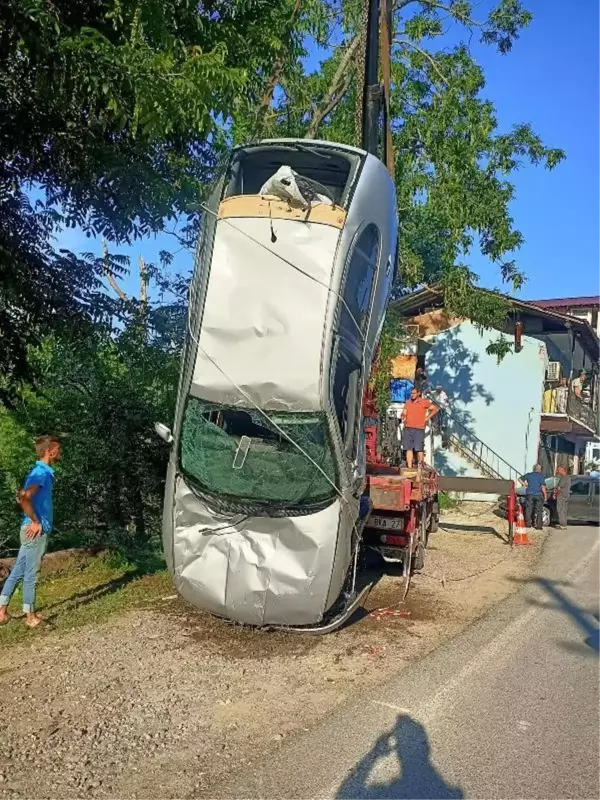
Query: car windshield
point(242, 454)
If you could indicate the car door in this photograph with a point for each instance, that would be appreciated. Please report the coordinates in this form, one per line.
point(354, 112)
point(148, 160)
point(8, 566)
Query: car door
point(594, 501)
point(579, 506)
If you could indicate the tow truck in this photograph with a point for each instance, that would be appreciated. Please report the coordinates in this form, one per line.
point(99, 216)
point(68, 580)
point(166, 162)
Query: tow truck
point(404, 503)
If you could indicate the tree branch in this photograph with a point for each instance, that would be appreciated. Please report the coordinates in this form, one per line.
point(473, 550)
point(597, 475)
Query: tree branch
point(428, 56)
point(323, 110)
point(143, 281)
point(143, 296)
point(468, 21)
point(337, 89)
point(115, 286)
point(273, 78)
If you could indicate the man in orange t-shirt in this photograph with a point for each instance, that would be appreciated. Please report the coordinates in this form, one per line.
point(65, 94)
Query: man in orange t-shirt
point(416, 414)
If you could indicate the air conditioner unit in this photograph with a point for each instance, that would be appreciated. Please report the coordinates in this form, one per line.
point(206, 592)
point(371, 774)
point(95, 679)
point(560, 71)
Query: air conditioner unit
point(553, 371)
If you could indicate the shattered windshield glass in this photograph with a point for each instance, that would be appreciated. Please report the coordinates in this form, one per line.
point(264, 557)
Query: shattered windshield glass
point(241, 454)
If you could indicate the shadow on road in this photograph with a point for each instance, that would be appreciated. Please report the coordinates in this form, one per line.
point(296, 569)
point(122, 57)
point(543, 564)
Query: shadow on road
point(453, 526)
point(404, 749)
point(581, 617)
point(577, 614)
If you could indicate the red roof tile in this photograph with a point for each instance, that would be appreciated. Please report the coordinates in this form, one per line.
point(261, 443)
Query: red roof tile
point(567, 302)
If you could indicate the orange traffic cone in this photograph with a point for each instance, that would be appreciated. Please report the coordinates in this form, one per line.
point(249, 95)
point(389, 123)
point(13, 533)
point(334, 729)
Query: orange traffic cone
point(520, 537)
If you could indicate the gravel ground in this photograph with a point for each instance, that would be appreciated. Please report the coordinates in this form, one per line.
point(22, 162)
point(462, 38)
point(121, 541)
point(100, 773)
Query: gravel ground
point(165, 702)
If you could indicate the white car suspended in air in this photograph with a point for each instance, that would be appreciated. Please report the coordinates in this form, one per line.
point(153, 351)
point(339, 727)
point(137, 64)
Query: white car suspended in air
point(287, 302)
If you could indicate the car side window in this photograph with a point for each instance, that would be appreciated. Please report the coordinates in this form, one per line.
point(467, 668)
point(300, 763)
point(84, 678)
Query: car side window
point(579, 488)
point(357, 291)
point(358, 283)
point(596, 489)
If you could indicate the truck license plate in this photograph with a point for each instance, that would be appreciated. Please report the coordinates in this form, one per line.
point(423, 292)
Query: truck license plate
point(386, 523)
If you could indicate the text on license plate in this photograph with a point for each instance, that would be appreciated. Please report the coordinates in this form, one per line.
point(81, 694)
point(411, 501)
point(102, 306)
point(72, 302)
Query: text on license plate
point(387, 523)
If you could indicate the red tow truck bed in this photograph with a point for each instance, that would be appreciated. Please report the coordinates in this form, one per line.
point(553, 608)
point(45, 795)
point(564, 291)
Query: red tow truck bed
point(404, 511)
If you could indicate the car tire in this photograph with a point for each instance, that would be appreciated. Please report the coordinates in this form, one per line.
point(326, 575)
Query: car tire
point(546, 517)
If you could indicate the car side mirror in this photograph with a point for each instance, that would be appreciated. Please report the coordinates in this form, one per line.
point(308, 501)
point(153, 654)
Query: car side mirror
point(163, 432)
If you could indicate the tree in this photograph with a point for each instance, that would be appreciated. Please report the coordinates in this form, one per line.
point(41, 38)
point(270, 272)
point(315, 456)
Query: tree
point(112, 112)
point(102, 392)
point(452, 163)
point(16, 457)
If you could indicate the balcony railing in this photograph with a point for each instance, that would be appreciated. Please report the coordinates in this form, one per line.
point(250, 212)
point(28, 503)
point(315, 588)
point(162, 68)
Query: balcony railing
point(563, 400)
point(471, 447)
point(580, 409)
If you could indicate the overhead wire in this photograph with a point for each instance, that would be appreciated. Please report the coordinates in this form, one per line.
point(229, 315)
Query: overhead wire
point(291, 264)
point(367, 353)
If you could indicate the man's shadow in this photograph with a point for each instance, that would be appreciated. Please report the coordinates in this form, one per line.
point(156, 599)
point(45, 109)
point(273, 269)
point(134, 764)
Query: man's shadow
point(407, 743)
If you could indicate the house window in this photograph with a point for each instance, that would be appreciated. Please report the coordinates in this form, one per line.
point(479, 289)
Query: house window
point(354, 311)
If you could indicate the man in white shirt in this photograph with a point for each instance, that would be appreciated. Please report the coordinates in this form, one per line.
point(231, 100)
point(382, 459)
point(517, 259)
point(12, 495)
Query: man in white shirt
point(442, 401)
point(577, 384)
point(440, 398)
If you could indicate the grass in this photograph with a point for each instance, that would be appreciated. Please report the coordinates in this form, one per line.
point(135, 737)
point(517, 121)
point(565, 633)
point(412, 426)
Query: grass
point(447, 502)
point(80, 590)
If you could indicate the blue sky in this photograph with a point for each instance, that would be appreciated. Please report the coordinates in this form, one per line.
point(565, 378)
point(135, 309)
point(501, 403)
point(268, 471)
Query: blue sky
point(550, 79)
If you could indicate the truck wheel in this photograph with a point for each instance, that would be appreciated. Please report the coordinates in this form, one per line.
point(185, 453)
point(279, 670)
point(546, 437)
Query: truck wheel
point(434, 522)
point(418, 561)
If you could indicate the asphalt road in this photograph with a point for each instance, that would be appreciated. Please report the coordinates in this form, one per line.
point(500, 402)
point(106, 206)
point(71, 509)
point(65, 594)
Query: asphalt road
point(508, 709)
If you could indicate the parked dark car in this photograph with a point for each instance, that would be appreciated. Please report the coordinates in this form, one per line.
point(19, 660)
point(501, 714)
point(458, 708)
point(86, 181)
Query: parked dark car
point(584, 499)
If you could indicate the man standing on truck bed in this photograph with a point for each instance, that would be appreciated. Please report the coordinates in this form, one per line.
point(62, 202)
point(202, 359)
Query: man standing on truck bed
point(536, 495)
point(416, 414)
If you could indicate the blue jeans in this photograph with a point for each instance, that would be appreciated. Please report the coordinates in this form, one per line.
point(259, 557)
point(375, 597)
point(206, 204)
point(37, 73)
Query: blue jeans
point(26, 568)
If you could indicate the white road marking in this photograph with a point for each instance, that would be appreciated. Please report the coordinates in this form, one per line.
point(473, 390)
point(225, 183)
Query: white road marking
point(498, 647)
point(392, 706)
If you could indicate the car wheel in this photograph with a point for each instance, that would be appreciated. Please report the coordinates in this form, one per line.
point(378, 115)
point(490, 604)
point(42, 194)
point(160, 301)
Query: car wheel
point(546, 517)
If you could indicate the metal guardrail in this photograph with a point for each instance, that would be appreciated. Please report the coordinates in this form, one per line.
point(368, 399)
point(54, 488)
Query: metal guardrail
point(477, 459)
point(483, 457)
point(476, 450)
point(464, 485)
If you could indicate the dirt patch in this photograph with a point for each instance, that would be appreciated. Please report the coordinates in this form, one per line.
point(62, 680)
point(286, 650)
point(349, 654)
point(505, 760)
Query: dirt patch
point(236, 642)
point(165, 702)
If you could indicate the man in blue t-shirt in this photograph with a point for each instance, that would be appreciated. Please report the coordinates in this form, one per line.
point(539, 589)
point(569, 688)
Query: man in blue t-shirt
point(35, 498)
point(536, 495)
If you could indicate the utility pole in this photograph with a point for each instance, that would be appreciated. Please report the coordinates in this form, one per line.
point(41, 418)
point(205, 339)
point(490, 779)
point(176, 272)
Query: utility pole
point(372, 90)
point(385, 44)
